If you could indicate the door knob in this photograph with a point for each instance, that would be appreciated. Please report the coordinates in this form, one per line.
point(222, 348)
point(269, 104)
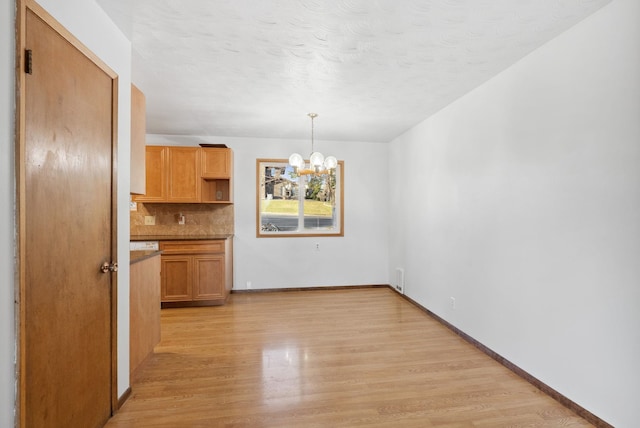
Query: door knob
point(109, 267)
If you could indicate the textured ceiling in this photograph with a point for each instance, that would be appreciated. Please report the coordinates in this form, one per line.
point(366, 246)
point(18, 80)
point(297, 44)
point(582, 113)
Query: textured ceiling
point(371, 69)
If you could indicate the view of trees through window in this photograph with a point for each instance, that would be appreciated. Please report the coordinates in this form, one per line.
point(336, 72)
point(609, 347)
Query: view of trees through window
point(292, 204)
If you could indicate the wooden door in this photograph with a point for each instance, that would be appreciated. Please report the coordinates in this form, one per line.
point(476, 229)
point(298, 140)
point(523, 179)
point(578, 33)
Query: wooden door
point(66, 230)
point(208, 281)
point(184, 174)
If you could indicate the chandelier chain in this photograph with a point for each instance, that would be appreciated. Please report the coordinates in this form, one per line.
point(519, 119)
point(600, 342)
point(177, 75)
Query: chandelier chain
point(312, 116)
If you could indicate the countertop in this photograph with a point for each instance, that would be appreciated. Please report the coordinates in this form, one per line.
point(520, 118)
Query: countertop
point(138, 256)
point(178, 237)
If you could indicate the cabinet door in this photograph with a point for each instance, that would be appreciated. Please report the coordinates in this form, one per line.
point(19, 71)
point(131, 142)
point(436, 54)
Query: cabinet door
point(155, 170)
point(209, 277)
point(216, 163)
point(176, 278)
point(183, 174)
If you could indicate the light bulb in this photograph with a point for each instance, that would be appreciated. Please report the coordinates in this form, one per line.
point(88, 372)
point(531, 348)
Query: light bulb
point(330, 162)
point(296, 161)
point(316, 159)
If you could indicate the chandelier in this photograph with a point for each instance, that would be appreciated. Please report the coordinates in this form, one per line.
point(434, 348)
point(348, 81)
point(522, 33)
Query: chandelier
point(318, 164)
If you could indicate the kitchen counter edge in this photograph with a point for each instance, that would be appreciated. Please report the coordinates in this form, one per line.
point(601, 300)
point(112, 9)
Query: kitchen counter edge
point(138, 256)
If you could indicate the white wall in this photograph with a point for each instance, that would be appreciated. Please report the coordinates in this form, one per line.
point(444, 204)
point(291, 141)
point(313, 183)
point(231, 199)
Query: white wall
point(522, 201)
point(7, 246)
point(92, 27)
point(358, 258)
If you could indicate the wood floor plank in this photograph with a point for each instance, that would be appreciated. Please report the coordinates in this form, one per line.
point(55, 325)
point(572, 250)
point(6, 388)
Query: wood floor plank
point(330, 358)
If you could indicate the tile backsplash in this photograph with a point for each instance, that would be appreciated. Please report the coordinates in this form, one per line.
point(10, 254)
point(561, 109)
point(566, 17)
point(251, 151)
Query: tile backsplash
point(200, 219)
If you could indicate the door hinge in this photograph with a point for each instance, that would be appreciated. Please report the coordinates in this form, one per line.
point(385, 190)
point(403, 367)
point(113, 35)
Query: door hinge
point(28, 65)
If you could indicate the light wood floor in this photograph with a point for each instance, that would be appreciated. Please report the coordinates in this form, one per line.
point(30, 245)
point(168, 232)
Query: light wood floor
point(337, 358)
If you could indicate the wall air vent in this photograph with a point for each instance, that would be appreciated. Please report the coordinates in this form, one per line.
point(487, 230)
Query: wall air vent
point(399, 285)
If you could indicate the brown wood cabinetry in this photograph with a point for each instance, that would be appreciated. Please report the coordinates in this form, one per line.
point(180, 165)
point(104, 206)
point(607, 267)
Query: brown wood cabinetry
point(144, 313)
point(208, 279)
point(183, 178)
point(216, 173)
point(177, 277)
point(188, 175)
point(216, 162)
point(155, 174)
point(138, 141)
point(197, 271)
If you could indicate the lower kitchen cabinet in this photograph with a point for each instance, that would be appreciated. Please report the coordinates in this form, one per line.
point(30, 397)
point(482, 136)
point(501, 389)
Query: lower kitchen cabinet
point(177, 278)
point(196, 272)
point(208, 283)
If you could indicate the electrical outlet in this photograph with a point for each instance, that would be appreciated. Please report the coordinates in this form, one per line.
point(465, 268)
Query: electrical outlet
point(317, 246)
point(248, 285)
point(149, 220)
point(452, 302)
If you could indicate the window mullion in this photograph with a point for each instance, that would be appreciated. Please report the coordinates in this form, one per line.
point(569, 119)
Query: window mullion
point(302, 190)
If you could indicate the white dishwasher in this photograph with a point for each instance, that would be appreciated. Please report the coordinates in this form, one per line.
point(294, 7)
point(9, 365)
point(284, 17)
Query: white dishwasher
point(144, 246)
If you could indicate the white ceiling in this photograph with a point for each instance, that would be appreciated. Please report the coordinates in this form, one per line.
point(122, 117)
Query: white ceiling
point(371, 69)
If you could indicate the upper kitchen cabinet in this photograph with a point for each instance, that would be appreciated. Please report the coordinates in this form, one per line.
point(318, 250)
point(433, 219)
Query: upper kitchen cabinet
point(217, 175)
point(183, 178)
point(155, 174)
point(178, 174)
point(216, 162)
point(138, 136)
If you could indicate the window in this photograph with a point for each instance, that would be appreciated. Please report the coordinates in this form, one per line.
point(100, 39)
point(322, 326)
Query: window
point(291, 205)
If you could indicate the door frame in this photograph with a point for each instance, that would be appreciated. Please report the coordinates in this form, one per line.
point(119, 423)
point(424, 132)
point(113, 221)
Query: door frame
point(20, 168)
